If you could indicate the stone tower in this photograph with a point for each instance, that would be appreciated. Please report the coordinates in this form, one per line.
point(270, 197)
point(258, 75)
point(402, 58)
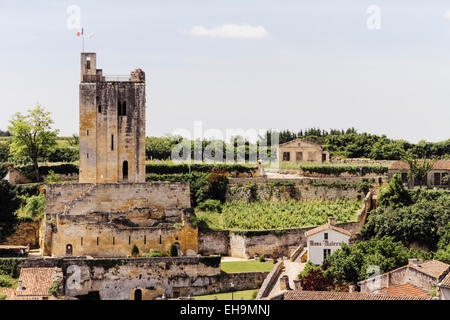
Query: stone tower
point(112, 125)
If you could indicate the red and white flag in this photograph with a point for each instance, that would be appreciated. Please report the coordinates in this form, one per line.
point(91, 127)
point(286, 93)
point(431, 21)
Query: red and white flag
point(80, 33)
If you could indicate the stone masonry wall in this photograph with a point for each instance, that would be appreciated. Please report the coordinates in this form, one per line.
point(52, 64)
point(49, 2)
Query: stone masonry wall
point(119, 279)
point(108, 219)
point(273, 190)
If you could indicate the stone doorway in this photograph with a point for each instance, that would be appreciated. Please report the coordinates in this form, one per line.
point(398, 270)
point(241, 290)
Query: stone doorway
point(138, 294)
point(69, 250)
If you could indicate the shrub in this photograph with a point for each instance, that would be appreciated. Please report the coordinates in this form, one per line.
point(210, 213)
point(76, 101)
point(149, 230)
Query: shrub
point(173, 168)
point(173, 251)
point(262, 258)
point(210, 205)
point(3, 171)
point(134, 250)
point(154, 253)
point(54, 288)
point(35, 207)
point(337, 169)
point(52, 177)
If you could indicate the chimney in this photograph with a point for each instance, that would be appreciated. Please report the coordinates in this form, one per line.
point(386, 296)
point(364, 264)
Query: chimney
point(298, 285)
point(413, 261)
point(331, 221)
point(284, 283)
point(351, 288)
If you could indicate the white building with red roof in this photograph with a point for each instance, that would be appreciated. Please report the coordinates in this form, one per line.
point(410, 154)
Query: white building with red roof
point(324, 240)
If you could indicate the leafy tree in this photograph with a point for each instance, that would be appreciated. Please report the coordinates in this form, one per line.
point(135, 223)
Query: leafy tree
point(394, 194)
point(424, 222)
point(419, 168)
point(351, 264)
point(4, 151)
point(9, 203)
point(3, 171)
point(33, 136)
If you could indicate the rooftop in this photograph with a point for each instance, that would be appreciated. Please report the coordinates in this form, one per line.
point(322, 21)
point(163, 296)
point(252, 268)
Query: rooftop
point(446, 281)
point(332, 295)
point(438, 165)
point(406, 290)
point(327, 226)
point(35, 281)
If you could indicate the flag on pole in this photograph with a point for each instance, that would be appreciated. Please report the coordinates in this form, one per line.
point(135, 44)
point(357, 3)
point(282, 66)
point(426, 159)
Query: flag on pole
point(80, 33)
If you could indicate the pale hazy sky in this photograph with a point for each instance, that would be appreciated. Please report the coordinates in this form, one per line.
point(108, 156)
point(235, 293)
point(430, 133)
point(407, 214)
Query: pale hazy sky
point(240, 63)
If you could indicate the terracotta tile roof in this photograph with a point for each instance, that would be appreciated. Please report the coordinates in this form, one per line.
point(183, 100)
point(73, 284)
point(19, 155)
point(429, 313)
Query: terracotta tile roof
point(331, 295)
point(325, 227)
point(446, 281)
point(8, 292)
point(37, 281)
point(302, 140)
point(438, 165)
point(433, 268)
point(406, 290)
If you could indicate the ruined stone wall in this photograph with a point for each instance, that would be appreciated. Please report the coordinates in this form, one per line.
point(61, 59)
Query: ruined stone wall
point(84, 198)
point(108, 219)
point(119, 279)
point(108, 240)
point(214, 242)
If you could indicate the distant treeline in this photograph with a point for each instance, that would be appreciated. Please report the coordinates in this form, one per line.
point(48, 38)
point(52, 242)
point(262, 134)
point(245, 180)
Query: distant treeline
point(340, 143)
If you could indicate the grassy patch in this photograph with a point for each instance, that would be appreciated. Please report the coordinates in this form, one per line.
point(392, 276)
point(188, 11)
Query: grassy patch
point(246, 266)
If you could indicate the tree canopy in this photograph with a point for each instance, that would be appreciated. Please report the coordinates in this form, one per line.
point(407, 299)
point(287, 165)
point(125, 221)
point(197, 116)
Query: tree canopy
point(33, 136)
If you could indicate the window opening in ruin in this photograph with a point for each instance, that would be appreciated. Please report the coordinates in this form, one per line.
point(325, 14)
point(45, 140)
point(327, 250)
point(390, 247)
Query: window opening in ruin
point(325, 236)
point(87, 132)
point(125, 171)
point(98, 242)
point(114, 240)
point(119, 108)
point(112, 142)
point(160, 239)
point(124, 108)
point(87, 155)
point(286, 156)
point(129, 239)
point(99, 109)
point(81, 241)
point(88, 64)
point(145, 239)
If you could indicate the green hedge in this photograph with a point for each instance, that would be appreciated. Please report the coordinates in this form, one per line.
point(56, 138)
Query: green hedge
point(167, 168)
point(28, 171)
point(337, 169)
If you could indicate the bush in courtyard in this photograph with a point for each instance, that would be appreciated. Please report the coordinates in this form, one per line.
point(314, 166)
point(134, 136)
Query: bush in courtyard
point(134, 250)
point(262, 258)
